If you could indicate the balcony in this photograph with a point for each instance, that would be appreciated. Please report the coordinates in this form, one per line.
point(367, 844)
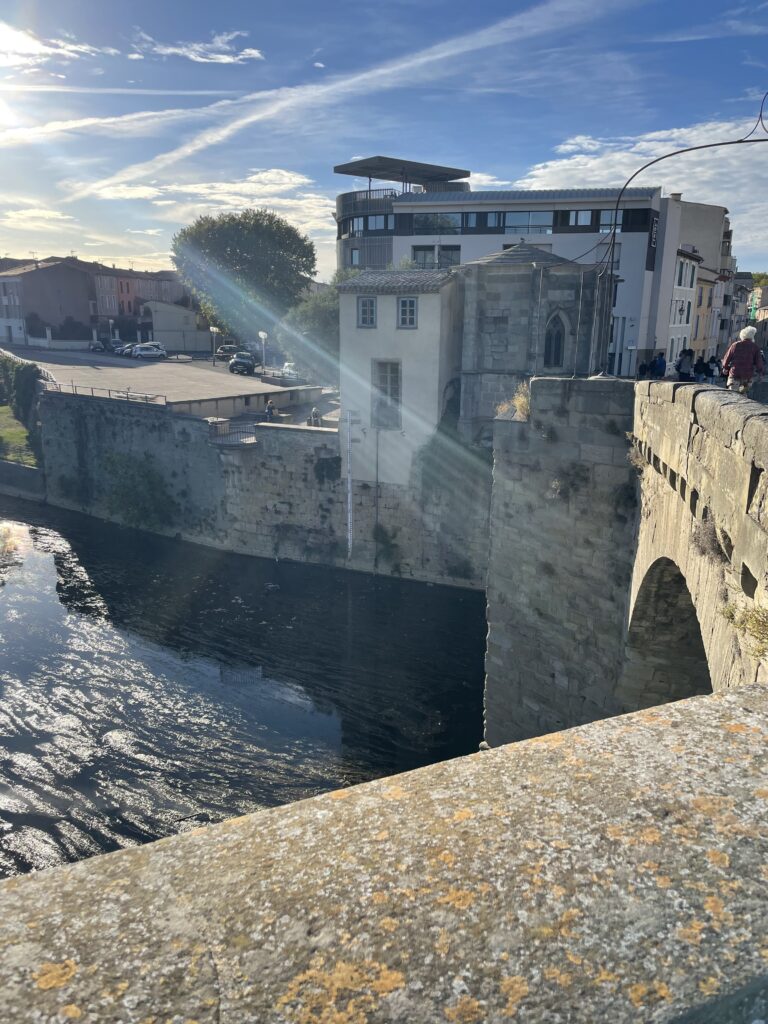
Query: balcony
point(375, 200)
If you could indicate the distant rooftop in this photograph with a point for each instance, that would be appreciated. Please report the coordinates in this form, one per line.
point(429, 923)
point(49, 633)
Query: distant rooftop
point(396, 281)
point(519, 255)
point(390, 168)
point(577, 195)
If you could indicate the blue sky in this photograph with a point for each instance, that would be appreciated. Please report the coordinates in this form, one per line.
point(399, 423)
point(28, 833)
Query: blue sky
point(120, 122)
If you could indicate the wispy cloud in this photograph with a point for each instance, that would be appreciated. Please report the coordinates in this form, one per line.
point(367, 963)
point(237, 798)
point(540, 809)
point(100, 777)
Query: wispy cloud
point(25, 50)
point(481, 180)
point(740, 26)
point(144, 231)
point(117, 90)
point(220, 50)
point(732, 177)
point(36, 219)
point(435, 61)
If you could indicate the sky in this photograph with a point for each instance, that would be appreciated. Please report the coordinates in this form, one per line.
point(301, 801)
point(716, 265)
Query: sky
point(122, 122)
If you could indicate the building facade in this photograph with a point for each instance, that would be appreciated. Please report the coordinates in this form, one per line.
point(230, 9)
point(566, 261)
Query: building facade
point(12, 328)
point(176, 328)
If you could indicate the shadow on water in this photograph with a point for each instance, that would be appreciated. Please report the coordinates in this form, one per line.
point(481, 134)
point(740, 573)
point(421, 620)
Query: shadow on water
point(148, 685)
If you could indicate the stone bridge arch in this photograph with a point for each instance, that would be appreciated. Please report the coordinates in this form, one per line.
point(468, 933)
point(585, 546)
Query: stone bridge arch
point(665, 659)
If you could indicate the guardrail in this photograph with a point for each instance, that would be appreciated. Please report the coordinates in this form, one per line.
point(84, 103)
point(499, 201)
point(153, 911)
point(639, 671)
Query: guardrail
point(228, 434)
point(122, 394)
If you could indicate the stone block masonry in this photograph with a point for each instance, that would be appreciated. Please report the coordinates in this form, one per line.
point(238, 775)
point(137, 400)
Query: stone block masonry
point(280, 497)
point(563, 518)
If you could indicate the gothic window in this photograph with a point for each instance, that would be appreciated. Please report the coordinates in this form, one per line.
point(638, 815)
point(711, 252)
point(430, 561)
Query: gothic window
point(554, 342)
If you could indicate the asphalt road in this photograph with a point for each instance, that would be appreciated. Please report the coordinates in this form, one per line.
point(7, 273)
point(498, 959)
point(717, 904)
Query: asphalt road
point(180, 381)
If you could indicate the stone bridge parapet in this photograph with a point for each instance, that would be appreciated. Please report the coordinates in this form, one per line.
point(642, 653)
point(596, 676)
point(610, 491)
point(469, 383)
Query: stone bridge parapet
point(614, 872)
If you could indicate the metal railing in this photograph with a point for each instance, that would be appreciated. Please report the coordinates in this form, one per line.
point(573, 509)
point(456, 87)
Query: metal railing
point(86, 391)
point(231, 434)
point(44, 374)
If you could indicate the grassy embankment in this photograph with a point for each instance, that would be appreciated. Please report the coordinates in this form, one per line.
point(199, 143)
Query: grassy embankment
point(14, 439)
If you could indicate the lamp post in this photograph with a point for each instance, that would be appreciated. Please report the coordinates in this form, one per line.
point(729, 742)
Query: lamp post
point(263, 335)
point(214, 339)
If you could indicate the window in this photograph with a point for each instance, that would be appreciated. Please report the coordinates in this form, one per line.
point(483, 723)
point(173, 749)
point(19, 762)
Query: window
point(495, 220)
point(423, 256)
point(366, 311)
point(448, 256)
point(377, 223)
point(693, 274)
point(541, 222)
point(696, 327)
point(709, 299)
point(580, 218)
point(358, 225)
point(406, 312)
point(469, 220)
point(390, 222)
point(516, 222)
point(554, 342)
point(700, 297)
point(529, 222)
point(688, 313)
point(354, 257)
point(385, 400)
point(680, 267)
point(606, 220)
point(437, 223)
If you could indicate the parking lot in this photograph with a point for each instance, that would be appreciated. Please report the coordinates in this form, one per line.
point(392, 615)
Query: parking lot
point(179, 380)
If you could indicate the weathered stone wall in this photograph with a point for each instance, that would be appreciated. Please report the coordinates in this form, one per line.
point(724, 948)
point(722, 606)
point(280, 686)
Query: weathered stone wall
point(280, 497)
point(21, 481)
point(563, 519)
point(614, 872)
point(570, 637)
point(705, 509)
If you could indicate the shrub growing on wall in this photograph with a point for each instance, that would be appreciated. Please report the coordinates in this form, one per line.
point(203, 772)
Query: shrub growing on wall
point(18, 388)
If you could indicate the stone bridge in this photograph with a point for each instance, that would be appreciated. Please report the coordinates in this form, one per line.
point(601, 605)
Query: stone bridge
point(629, 552)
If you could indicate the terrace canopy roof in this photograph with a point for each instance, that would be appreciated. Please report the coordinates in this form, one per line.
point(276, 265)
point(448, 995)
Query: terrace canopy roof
point(390, 168)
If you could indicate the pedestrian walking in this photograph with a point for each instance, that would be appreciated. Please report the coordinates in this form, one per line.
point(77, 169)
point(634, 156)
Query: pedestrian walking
point(743, 361)
point(700, 370)
point(684, 364)
point(658, 367)
point(270, 411)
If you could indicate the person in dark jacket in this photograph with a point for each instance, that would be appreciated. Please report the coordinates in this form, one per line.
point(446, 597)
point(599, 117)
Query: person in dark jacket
point(743, 361)
point(658, 367)
point(700, 370)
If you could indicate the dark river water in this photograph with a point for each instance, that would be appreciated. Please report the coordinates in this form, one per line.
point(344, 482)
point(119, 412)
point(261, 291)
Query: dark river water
point(149, 686)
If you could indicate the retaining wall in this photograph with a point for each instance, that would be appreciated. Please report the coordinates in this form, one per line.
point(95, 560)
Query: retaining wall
point(280, 497)
point(21, 481)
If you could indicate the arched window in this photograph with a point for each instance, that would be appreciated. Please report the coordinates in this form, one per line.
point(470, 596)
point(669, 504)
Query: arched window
point(554, 342)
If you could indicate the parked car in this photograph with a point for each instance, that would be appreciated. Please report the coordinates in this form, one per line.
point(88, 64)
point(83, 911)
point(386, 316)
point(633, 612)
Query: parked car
point(289, 370)
point(226, 351)
point(242, 362)
point(125, 350)
point(96, 346)
point(150, 350)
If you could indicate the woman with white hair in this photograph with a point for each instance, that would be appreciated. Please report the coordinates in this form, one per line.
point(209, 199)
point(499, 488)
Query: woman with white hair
point(743, 361)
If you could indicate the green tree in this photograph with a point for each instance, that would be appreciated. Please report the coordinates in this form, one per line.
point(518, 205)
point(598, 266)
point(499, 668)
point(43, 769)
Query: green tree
point(309, 334)
point(246, 269)
point(760, 278)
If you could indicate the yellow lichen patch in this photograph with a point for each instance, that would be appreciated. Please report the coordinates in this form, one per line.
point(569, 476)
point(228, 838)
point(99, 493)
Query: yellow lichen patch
point(736, 727)
point(550, 740)
point(715, 907)
point(339, 794)
point(691, 932)
point(560, 844)
point(663, 881)
point(446, 857)
point(614, 832)
point(638, 993)
point(574, 957)
point(558, 891)
point(466, 1011)
point(709, 986)
point(561, 977)
point(70, 1012)
point(379, 897)
point(711, 804)
point(764, 953)
point(514, 990)
point(761, 794)
point(649, 835)
point(388, 924)
point(381, 836)
point(55, 975)
point(394, 793)
point(347, 993)
point(463, 815)
point(605, 977)
point(661, 990)
point(650, 865)
point(564, 924)
point(443, 943)
point(459, 899)
point(718, 858)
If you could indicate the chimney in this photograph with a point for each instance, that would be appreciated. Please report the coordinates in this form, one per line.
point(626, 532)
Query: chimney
point(677, 196)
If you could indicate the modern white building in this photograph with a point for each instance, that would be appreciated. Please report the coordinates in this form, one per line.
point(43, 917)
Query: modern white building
point(12, 327)
point(432, 219)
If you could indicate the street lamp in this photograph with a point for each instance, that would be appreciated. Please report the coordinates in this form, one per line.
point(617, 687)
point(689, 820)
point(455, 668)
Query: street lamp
point(263, 335)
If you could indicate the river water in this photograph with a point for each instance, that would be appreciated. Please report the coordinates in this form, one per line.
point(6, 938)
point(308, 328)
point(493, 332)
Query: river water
point(149, 686)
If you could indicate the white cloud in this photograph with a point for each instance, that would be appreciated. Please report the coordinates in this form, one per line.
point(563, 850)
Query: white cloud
point(36, 218)
point(479, 180)
point(25, 50)
point(144, 231)
point(731, 176)
point(318, 64)
point(738, 26)
point(430, 63)
point(135, 56)
point(219, 50)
